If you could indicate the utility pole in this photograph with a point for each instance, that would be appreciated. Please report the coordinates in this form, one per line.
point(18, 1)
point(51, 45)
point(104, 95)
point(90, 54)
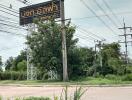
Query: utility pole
point(100, 54)
point(125, 42)
point(95, 58)
point(64, 50)
point(98, 43)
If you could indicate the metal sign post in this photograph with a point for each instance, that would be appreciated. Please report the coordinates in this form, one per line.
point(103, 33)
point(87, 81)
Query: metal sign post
point(44, 11)
point(31, 70)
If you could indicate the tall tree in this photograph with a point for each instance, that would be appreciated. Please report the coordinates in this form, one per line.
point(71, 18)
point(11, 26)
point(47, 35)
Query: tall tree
point(80, 61)
point(46, 45)
point(12, 63)
point(112, 62)
point(9, 63)
point(0, 63)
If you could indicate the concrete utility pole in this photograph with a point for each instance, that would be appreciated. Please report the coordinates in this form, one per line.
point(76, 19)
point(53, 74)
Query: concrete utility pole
point(125, 42)
point(95, 58)
point(64, 50)
point(99, 45)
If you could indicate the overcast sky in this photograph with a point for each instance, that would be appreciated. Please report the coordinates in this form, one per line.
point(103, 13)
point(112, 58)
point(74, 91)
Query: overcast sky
point(82, 17)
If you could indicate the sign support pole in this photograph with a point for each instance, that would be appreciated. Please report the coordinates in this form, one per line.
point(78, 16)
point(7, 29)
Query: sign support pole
point(64, 50)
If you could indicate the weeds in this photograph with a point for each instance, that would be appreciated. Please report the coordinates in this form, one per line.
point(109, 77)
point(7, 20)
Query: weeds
point(78, 93)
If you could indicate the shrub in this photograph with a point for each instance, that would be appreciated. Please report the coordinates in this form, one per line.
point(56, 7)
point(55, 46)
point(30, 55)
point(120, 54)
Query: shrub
point(0, 98)
point(127, 77)
point(37, 98)
point(78, 93)
point(129, 69)
point(111, 77)
point(12, 75)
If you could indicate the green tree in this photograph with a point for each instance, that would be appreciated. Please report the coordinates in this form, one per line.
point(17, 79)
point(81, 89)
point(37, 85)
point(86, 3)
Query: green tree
point(9, 63)
point(22, 66)
point(81, 61)
point(0, 63)
point(12, 63)
point(46, 45)
point(112, 62)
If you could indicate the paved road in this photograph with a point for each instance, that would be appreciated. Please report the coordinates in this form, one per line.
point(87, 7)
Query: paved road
point(93, 93)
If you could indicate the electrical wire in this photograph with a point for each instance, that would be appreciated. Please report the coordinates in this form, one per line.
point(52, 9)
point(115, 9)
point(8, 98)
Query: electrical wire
point(8, 18)
point(102, 15)
point(8, 13)
point(106, 14)
point(87, 32)
point(8, 48)
point(8, 21)
point(12, 33)
point(13, 26)
point(112, 21)
point(6, 8)
point(106, 4)
point(25, 2)
point(98, 17)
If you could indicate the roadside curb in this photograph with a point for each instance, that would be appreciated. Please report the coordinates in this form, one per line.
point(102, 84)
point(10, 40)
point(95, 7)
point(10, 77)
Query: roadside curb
point(22, 85)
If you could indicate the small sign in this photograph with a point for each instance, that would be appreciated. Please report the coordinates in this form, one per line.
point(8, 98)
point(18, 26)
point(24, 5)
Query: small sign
point(42, 11)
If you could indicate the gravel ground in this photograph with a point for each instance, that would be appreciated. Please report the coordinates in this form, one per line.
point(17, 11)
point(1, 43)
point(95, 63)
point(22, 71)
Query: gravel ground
point(93, 93)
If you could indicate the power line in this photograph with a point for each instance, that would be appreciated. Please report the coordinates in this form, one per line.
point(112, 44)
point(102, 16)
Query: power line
point(8, 21)
point(8, 18)
point(102, 15)
point(114, 23)
point(106, 14)
point(87, 32)
point(12, 33)
point(84, 36)
point(8, 13)
point(6, 8)
point(106, 4)
point(97, 16)
point(5, 49)
point(12, 26)
point(26, 2)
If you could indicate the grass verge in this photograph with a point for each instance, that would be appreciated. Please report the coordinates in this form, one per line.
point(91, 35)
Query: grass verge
point(81, 81)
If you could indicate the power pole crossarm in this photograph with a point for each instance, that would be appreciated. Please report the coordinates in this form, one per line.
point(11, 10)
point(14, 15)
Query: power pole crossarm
point(125, 34)
point(126, 42)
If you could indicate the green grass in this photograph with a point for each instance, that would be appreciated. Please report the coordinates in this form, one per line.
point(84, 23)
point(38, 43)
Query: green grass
point(81, 81)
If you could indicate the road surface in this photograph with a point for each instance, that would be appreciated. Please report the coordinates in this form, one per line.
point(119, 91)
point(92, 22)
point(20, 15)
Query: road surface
point(93, 93)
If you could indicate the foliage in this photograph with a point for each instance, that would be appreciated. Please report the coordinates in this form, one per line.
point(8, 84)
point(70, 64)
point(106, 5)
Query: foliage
point(81, 61)
point(12, 75)
point(46, 45)
point(0, 98)
point(9, 63)
point(127, 77)
point(0, 64)
point(17, 63)
point(78, 93)
point(112, 62)
point(111, 77)
point(22, 66)
point(37, 98)
point(129, 69)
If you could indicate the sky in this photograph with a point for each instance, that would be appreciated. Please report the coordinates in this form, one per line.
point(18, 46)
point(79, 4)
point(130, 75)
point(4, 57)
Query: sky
point(86, 23)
